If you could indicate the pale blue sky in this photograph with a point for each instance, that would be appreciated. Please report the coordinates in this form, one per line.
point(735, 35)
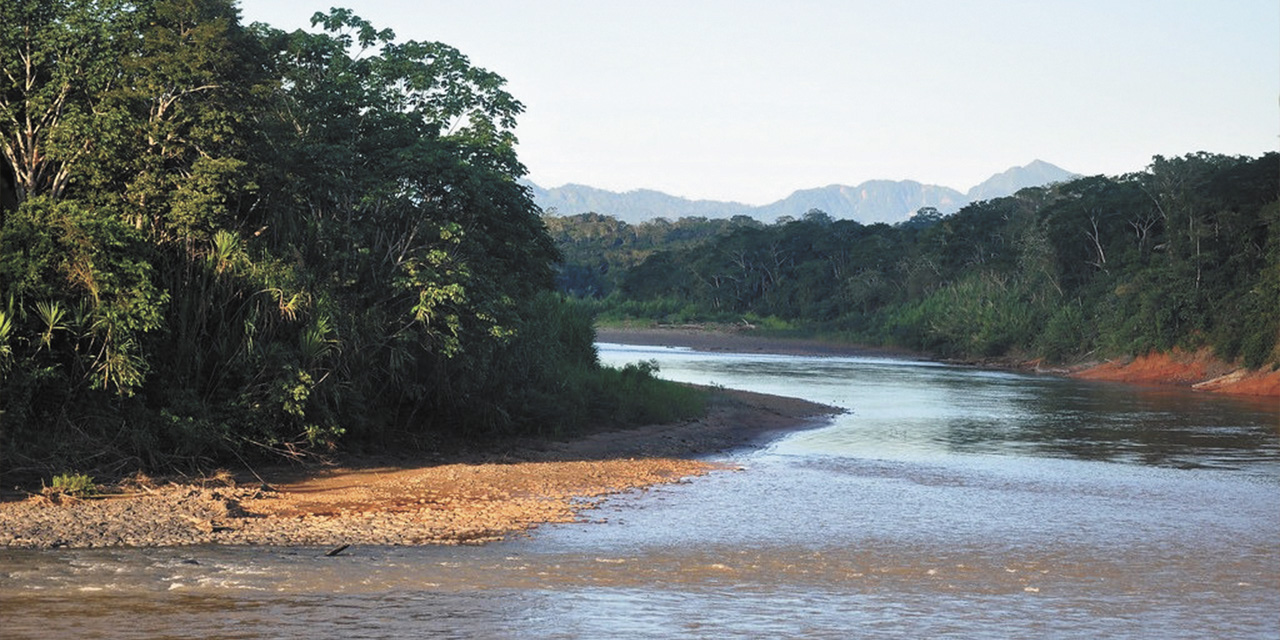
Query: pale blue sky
point(750, 100)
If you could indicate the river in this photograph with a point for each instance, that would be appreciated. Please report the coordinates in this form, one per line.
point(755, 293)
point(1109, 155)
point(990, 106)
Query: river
point(947, 502)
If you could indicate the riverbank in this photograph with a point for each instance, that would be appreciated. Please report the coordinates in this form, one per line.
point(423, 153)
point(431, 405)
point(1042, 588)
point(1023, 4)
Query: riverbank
point(400, 502)
point(1199, 370)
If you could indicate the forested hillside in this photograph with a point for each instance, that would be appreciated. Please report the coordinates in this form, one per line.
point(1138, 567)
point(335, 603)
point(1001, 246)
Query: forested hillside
point(1185, 253)
point(219, 239)
point(599, 250)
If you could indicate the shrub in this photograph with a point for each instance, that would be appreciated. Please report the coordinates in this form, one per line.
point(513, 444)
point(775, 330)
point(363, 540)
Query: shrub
point(76, 485)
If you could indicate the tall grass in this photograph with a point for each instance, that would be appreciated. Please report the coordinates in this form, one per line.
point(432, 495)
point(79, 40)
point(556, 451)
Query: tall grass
point(556, 385)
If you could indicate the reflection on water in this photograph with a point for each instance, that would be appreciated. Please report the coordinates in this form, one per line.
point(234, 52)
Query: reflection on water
point(924, 409)
point(948, 502)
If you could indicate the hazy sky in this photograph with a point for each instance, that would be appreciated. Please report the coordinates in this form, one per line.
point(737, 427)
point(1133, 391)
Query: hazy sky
point(750, 100)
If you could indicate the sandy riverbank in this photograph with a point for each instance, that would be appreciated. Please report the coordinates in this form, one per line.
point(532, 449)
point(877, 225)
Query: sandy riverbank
point(496, 493)
point(371, 502)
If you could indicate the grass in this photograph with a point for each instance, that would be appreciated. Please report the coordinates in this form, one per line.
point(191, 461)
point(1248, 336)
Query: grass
point(635, 395)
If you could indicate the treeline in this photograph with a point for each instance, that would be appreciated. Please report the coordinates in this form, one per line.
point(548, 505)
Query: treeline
point(219, 239)
point(599, 250)
point(1185, 253)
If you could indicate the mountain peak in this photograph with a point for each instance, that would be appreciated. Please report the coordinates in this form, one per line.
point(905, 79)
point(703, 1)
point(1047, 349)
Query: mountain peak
point(872, 201)
point(1035, 174)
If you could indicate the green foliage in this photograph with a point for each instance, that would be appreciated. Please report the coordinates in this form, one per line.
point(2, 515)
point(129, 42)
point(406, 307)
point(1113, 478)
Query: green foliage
point(1182, 254)
point(634, 395)
point(76, 485)
point(551, 375)
point(599, 250)
point(1067, 333)
point(617, 309)
point(51, 315)
point(6, 349)
point(981, 315)
point(218, 241)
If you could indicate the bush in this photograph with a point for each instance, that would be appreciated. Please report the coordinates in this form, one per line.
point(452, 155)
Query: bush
point(76, 485)
point(634, 395)
point(1065, 334)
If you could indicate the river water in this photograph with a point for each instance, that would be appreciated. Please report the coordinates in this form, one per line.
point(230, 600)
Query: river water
point(947, 502)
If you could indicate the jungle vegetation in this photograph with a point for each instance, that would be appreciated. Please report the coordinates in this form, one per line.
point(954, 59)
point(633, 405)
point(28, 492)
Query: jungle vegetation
point(220, 240)
point(1185, 253)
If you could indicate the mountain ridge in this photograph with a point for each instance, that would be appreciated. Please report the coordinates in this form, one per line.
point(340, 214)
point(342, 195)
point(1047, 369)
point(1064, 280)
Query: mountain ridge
point(871, 201)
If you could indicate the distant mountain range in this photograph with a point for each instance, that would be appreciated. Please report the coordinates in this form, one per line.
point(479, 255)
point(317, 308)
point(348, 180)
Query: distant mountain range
point(872, 201)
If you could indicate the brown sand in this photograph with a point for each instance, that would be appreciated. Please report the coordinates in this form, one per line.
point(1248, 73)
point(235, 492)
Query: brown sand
point(375, 503)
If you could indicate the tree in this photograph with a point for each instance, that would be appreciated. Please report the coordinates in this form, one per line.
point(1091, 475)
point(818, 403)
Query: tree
point(58, 63)
point(232, 238)
point(1181, 254)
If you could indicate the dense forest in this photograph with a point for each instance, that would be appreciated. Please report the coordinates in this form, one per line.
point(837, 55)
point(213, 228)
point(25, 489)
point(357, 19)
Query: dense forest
point(220, 240)
point(599, 250)
point(1183, 254)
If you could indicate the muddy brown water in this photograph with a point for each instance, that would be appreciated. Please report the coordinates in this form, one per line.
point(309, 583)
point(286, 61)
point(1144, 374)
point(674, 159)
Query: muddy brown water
point(949, 502)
